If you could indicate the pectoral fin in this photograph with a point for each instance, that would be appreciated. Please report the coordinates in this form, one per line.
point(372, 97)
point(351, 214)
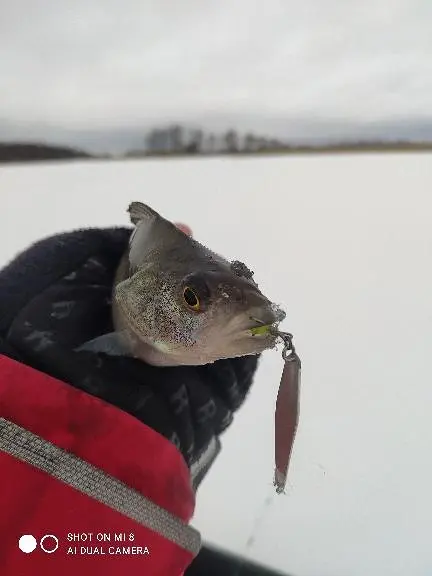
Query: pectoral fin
point(112, 344)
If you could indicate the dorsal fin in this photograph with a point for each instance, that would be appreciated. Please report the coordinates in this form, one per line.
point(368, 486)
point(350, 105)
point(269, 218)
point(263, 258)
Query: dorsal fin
point(152, 232)
point(139, 211)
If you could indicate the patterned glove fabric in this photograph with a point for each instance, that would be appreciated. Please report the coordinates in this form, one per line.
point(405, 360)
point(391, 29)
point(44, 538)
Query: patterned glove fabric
point(57, 295)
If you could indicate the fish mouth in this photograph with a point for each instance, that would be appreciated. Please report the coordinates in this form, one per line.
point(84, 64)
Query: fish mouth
point(265, 323)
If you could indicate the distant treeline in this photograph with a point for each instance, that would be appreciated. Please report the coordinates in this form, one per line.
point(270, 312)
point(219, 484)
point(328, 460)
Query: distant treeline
point(21, 152)
point(178, 140)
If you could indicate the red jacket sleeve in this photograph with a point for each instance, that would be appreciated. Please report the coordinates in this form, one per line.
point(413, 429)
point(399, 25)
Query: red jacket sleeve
point(98, 490)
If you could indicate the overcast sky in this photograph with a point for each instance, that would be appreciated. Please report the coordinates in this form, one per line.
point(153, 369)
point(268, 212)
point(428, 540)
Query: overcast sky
point(98, 63)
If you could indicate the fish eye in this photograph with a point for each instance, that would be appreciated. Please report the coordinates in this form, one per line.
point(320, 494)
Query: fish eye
point(191, 298)
point(196, 292)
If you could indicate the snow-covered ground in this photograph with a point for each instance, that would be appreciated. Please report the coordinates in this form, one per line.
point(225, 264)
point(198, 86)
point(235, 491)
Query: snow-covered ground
point(345, 243)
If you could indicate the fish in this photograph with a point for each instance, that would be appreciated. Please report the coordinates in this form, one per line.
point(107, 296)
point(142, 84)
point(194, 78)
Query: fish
point(176, 302)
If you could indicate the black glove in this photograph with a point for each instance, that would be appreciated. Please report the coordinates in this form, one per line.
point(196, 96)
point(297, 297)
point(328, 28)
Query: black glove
point(57, 295)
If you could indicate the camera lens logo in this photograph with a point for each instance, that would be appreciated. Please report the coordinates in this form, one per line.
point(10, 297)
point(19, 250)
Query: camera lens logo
point(28, 543)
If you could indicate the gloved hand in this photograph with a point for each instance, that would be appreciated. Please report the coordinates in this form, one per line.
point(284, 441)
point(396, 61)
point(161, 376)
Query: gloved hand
point(57, 295)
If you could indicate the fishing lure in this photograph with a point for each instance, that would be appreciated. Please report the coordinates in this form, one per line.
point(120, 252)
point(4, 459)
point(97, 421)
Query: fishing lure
point(287, 411)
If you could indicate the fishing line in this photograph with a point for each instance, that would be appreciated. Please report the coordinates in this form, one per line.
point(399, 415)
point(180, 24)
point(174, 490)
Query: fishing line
point(256, 526)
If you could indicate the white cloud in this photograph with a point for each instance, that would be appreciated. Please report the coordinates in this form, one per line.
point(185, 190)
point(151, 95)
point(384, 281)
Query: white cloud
point(104, 61)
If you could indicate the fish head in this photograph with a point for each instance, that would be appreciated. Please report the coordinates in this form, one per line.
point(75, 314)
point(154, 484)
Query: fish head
point(182, 304)
point(233, 318)
point(196, 318)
